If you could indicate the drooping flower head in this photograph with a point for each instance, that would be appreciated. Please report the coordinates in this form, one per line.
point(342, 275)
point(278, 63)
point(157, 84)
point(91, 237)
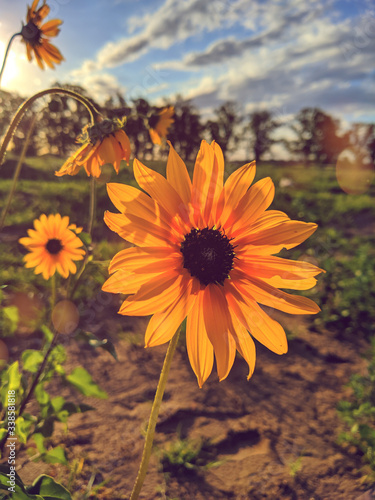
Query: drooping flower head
point(160, 123)
point(36, 36)
point(205, 250)
point(53, 246)
point(104, 142)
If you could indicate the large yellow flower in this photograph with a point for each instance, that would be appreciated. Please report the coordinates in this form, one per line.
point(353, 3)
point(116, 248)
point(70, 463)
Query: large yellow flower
point(104, 142)
point(53, 246)
point(36, 36)
point(204, 251)
point(160, 123)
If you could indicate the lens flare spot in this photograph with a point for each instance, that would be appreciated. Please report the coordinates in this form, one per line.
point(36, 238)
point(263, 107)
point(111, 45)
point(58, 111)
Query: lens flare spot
point(65, 317)
point(4, 354)
point(30, 310)
point(354, 170)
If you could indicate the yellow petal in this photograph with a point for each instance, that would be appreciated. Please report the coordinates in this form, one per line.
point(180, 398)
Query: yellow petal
point(129, 200)
point(156, 295)
point(287, 235)
point(163, 325)
point(267, 331)
point(217, 322)
point(273, 297)
point(297, 284)
point(234, 189)
point(245, 344)
point(267, 267)
point(51, 28)
point(159, 189)
point(199, 348)
point(125, 282)
point(252, 205)
point(138, 231)
point(207, 183)
point(177, 175)
point(124, 142)
point(146, 260)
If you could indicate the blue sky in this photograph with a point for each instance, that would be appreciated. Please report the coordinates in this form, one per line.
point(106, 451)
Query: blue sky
point(278, 55)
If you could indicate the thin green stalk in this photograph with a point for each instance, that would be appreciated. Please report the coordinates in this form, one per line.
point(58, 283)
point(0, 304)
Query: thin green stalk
point(153, 417)
point(26, 105)
point(92, 204)
point(17, 172)
point(7, 51)
point(78, 276)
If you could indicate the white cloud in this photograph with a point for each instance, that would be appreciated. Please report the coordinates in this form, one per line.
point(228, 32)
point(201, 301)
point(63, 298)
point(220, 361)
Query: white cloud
point(100, 85)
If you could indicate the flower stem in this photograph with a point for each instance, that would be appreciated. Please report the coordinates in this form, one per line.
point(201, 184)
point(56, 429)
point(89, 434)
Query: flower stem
point(7, 51)
point(94, 113)
point(154, 416)
point(92, 204)
point(17, 172)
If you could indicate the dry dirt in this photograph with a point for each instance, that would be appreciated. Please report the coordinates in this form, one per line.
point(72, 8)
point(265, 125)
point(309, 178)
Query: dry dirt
point(274, 437)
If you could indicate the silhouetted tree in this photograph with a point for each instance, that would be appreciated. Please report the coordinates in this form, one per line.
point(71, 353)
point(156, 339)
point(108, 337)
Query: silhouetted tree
point(136, 128)
point(223, 129)
point(186, 131)
point(261, 126)
point(362, 136)
point(317, 137)
point(9, 103)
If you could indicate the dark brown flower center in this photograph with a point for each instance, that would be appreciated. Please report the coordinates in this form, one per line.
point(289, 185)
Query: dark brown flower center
point(208, 255)
point(31, 33)
point(54, 246)
point(101, 130)
point(153, 121)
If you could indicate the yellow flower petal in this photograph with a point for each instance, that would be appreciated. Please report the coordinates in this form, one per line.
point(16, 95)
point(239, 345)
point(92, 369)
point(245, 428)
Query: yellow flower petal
point(177, 175)
point(163, 325)
point(217, 322)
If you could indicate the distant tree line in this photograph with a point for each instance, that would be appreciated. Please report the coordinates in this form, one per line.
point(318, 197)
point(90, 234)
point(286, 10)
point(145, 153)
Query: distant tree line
point(312, 136)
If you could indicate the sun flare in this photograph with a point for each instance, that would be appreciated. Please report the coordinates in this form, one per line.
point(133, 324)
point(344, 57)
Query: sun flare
point(11, 70)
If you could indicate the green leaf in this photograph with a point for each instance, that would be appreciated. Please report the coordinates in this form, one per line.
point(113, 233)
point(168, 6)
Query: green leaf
point(39, 441)
point(20, 492)
point(82, 381)
point(14, 377)
point(47, 333)
point(41, 395)
point(23, 429)
point(85, 238)
point(11, 315)
point(55, 456)
point(49, 489)
point(31, 360)
point(57, 403)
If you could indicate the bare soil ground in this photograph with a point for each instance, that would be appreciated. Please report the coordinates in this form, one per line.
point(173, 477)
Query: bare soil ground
point(274, 437)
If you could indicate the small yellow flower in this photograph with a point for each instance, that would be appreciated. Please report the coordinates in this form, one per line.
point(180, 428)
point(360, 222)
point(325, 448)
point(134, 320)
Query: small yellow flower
point(36, 36)
point(53, 246)
point(104, 142)
point(204, 251)
point(160, 123)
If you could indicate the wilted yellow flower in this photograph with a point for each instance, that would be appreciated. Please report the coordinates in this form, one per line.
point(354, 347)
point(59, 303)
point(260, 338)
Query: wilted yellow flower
point(204, 250)
point(160, 124)
point(104, 142)
point(53, 246)
point(36, 36)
